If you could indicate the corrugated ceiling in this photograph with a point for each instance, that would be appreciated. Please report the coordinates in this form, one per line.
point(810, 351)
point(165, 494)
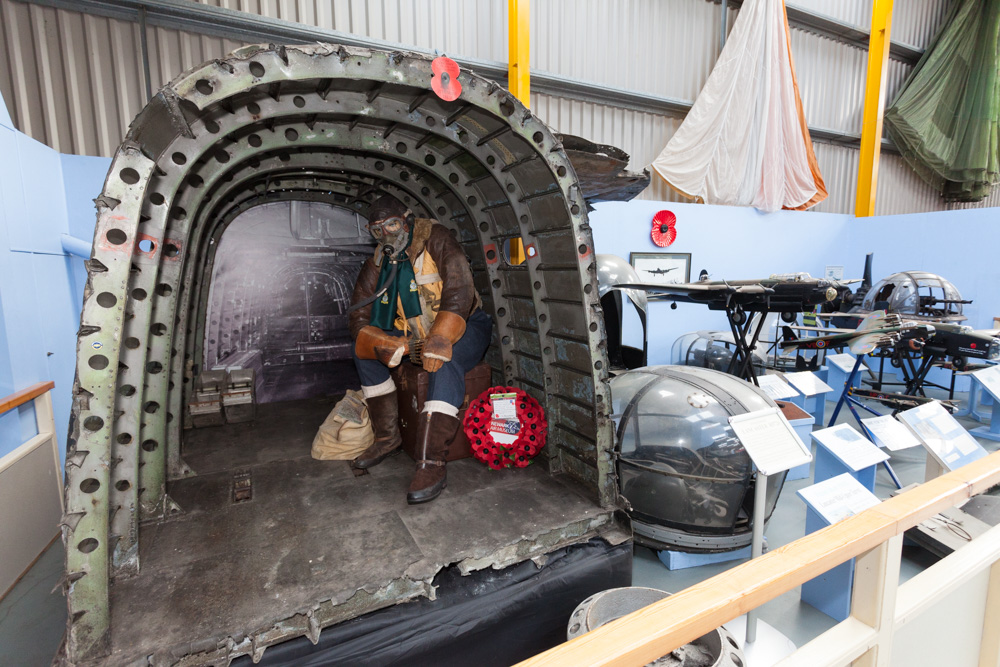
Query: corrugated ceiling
point(75, 81)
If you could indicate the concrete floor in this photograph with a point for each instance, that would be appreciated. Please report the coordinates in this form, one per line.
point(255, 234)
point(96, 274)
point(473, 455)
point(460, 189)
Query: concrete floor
point(32, 619)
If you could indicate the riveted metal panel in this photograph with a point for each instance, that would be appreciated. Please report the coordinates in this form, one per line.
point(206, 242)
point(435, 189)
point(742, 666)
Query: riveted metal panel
point(225, 135)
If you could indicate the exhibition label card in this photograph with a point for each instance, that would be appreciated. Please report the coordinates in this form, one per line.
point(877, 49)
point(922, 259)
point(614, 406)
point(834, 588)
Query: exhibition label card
point(504, 425)
point(889, 433)
point(850, 447)
point(990, 378)
point(942, 435)
point(807, 383)
point(775, 387)
point(770, 440)
point(843, 361)
point(839, 497)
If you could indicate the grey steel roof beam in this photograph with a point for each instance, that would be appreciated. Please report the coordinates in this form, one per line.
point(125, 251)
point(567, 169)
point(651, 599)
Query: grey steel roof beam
point(195, 17)
point(804, 19)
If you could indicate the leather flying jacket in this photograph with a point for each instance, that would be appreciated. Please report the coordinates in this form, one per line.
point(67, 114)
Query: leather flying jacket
point(458, 292)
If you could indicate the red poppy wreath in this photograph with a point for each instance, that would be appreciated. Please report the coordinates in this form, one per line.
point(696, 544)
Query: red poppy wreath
point(505, 427)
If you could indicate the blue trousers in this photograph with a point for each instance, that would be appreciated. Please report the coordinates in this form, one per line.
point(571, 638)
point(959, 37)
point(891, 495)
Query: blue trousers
point(448, 383)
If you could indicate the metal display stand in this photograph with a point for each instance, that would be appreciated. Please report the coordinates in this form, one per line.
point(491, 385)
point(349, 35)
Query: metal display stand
point(852, 403)
point(774, 447)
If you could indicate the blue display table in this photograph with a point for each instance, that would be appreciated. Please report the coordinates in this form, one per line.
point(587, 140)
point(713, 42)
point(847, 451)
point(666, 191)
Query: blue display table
point(803, 423)
point(830, 592)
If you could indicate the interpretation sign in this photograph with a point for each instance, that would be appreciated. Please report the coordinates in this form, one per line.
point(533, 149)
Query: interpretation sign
point(770, 440)
point(889, 433)
point(807, 383)
point(990, 378)
point(852, 449)
point(775, 387)
point(942, 435)
point(839, 497)
point(843, 361)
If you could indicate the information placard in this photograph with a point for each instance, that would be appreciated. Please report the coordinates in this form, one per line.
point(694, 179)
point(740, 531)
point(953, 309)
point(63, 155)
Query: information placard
point(807, 383)
point(839, 497)
point(770, 440)
point(990, 378)
point(889, 433)
point(775, 387)
point(852, 449)
point(942, 435)
point(843, 361)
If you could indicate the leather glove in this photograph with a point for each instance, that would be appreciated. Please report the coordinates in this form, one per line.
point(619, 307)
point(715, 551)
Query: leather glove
point(448, 329)
point(373, 343)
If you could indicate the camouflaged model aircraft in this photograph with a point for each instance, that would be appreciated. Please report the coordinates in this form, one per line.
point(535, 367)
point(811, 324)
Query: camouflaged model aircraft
point(877, 329)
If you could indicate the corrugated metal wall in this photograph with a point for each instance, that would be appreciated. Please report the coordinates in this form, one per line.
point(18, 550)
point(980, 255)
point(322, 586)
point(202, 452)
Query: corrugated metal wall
point(75, 81)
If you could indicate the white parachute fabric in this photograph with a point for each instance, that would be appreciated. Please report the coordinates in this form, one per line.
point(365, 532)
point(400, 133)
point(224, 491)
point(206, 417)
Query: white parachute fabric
point(745, 140)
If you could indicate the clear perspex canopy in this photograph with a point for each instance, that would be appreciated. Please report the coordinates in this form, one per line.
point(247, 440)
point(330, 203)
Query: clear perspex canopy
point(686, 476)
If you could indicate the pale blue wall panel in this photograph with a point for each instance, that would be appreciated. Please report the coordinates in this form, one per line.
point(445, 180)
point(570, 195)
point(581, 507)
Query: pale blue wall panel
point(44, 199)
point(58, 322)
point(730, 243)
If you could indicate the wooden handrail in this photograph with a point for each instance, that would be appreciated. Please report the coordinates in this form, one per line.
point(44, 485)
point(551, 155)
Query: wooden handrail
point(19, 398)
point(652, 632)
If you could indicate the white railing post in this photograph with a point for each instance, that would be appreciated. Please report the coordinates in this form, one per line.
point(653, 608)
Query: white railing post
point(46, 422)
point(876, 580)
point(989, 649)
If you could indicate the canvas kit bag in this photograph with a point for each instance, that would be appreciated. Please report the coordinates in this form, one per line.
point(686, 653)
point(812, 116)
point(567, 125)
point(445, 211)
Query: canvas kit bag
point(346, 432)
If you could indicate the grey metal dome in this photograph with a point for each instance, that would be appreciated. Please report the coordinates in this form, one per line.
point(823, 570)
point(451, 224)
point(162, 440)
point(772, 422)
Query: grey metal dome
point(687, 478)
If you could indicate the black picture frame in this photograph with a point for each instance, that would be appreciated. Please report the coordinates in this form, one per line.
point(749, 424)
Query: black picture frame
point(662, 268)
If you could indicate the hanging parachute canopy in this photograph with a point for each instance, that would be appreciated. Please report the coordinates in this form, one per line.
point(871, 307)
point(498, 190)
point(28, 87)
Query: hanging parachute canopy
point(745, 141)
point(945, 118)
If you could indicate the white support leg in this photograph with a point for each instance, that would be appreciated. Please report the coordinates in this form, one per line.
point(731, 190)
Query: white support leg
point(876, 580)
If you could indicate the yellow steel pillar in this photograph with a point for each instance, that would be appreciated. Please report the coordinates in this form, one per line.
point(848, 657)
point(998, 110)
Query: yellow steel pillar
point(518, 22)
point(518, 75)
point(871, 130)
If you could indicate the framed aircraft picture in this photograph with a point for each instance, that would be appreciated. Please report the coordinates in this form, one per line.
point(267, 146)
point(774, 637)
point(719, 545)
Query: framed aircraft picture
point(662, 268)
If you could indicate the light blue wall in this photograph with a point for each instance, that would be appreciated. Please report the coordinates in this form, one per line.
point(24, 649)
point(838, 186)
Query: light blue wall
point(738, 243)
point(730, 243)
point(42, 195)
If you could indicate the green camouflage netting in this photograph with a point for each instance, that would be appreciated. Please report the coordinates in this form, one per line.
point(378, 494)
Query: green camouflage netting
point(944, 119)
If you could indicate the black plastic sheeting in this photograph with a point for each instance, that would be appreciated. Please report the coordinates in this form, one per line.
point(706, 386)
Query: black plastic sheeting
point(490, 617)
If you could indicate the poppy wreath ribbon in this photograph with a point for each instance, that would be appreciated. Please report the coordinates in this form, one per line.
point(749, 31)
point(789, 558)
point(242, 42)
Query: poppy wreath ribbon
point(530, 429)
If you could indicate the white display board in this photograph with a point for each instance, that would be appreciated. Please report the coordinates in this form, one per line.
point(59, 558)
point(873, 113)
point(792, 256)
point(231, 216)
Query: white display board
point(843, 361)
point(775, 387)
point(889, 433)
point(990, 378)
point(850, 447)
point(807, 383)
point(770, 440)
point(839, 497)
point(942, 435)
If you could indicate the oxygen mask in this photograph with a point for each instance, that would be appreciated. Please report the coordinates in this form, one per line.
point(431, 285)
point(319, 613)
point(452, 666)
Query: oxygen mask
point(391, 234)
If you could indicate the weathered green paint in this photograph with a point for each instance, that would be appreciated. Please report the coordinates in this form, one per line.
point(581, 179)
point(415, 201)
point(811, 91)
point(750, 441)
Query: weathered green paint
point(492, 170)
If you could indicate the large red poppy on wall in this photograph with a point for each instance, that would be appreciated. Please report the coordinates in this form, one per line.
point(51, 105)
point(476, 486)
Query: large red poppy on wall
point(664, 228)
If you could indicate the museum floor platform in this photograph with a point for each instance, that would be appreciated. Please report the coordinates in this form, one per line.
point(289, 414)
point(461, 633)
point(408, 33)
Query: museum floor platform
point(318, 510)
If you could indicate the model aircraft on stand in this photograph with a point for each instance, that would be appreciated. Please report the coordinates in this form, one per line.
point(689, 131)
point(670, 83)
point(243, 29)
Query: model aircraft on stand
point(920, 297)
point(877, 330)
point(787, 294)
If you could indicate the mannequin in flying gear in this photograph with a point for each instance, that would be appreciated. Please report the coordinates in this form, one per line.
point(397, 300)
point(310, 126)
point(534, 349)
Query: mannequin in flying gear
point(416, 295)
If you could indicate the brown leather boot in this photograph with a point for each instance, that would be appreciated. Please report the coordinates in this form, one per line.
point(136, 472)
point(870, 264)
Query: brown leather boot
point(384, 413)
point(437, 430)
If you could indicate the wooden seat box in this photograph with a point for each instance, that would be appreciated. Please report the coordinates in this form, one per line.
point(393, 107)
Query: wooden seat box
point(412, 382)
